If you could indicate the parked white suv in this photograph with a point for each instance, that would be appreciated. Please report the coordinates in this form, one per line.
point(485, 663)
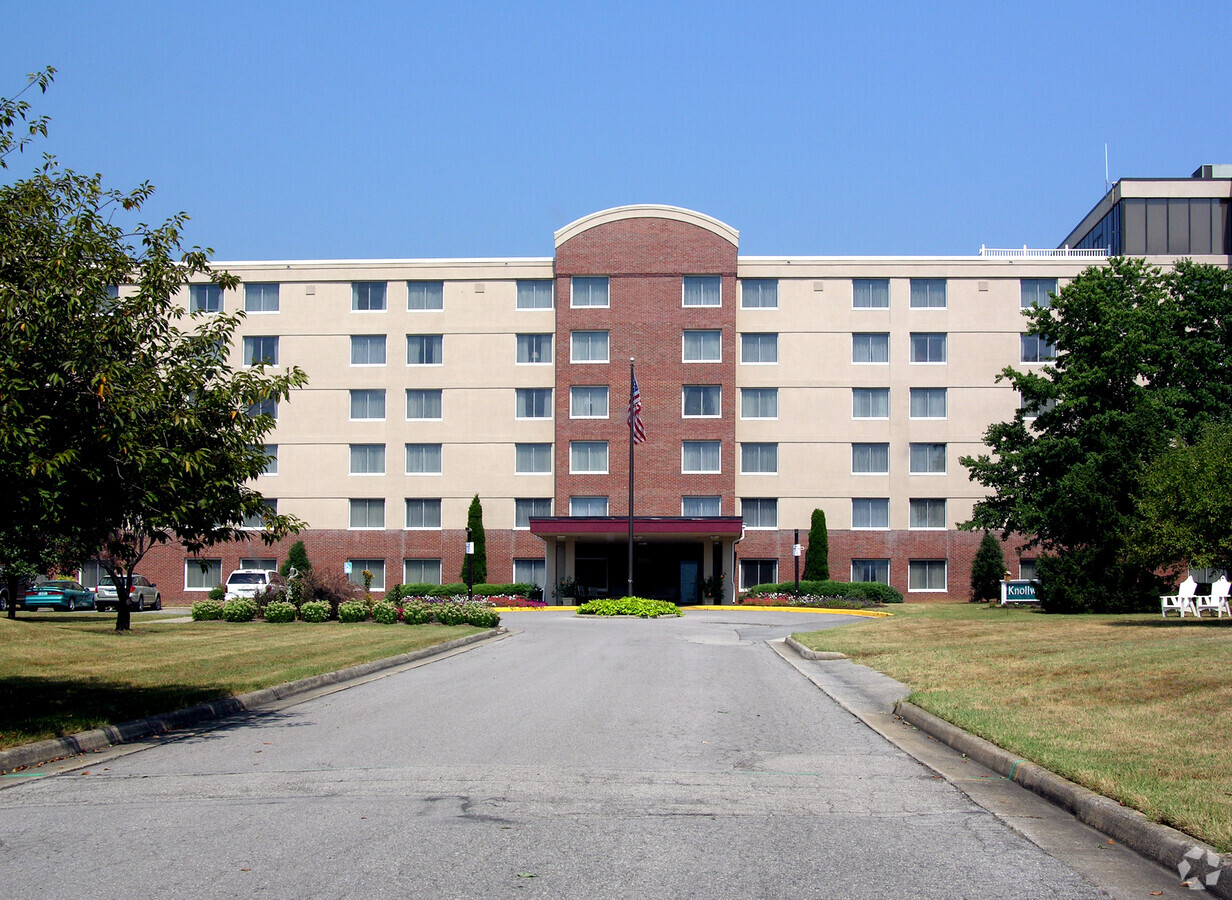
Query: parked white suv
point(248, 583)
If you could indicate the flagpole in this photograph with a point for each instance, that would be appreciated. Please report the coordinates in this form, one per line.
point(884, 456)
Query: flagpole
point(630, 569)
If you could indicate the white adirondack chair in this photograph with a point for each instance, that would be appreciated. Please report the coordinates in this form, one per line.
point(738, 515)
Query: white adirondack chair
point(1182, 600)
point(1217, 602)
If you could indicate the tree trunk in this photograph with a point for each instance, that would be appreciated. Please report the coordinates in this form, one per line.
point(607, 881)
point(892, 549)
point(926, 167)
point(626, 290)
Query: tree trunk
point(13, 582)
point(124, 616)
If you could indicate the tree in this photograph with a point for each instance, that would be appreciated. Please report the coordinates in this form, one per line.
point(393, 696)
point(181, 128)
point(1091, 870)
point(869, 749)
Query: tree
point(987, 569)
point(297, 558)
point(479, 560)
point(1142, 357)
point(817, 557)
point(122, 425)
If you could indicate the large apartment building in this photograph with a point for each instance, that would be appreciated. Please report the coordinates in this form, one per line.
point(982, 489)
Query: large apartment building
point(770, 387)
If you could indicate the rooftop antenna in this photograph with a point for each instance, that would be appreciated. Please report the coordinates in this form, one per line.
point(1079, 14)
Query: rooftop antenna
point(1105, 167)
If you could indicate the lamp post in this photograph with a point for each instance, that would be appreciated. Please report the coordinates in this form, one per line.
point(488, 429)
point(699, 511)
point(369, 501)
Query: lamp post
point(795, 555)
point(470, 556)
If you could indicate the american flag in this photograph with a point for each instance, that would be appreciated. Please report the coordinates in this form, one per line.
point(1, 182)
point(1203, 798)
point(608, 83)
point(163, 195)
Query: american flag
point(635, 414)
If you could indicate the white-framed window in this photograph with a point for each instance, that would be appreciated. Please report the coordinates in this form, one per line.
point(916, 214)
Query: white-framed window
point(271, 459)
point(870, 403)
point(870, 293)
point(368, 296)
point(928, 403)
point(588, 401)
point(926, 575)
point(532, 459)
point(759, 348)
point(423, 403)
point(703, 345)
point(870, 512)
point(874, 570)
point(533, 403)
point(927, 459)
point(261, 351)
point(375, 566)
point(261, 298)
point(258, 562)
point(759, 403)
point(1036, 349)
point(1037, 292)
point(588, 346)
point(425, 295)
point(760, 512)
point(870, 347)
point(536, 294)
point(758, 571)
point(590, 290)
point(423, 459)
point(588, 457)
point(1032, 411)
point(534, 349)
point(421, 571)
point(1026, 569)
point(367, 512)
point(928, 293)
point(588, 506)
point(700, 457)
point(524, 508)
point(926, 512)
point(928, 346)
point(759, 459)
point(423, 513)
point(701, 400)
point(256, 521)
point(202, 574)
point(697, 507)
point(367, 349)
point(367, 459)
point(204, 298)
point(530, 571)
point(703, 290)
point(266, 407)
point(368, 403)
point(870, 459)
point(424, 349)
point(759, 293)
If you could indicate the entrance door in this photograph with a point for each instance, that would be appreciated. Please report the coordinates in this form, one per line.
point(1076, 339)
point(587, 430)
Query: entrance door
point(689, 586)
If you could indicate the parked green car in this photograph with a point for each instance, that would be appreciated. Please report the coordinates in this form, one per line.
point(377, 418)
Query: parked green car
point(58, 594)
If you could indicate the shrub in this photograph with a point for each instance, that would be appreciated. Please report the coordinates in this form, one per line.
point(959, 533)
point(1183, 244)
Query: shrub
point(298, 592)
point(217, 593)
point(817, 557)
point(314, 611)
point(480, 615)
point(239, 610)
point(297, 556)
point(859, 590)
point(416, 612)
point(385, 613)
point(395, 594)
point(450, 613)
point(353, 611)
point(987, 569)
point(271, 593)
point(629, 606)
point(331, 587)
point(206, 611)
point(280, 611)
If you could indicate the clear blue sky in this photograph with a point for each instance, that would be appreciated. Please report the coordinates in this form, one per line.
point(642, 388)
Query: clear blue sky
point(350, 130)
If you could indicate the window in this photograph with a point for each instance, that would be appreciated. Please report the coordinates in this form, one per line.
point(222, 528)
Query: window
point(928, 293)
point(1036, 349)
point(928, 403)
point(367, 459)
point(1026, 569)
point(758, 571)
point(367, 296)
point(699, 457)
point(928, 347)
point(375, 566)
point(256, 521)
point(588, 457)
point(760, 512)
point(525, 508)
point(530, 571)
point(202, 574)
point(368, 404)
point(759, 403)
point(701, 400)
point(534, 403)
point(588, 346)
point(703, 290)
point(271, 459)
point(1036, 292)
point(870, 459)
point(1034, 410)
point(535, 294)
point(870, 512)
point(368, 513)
point(424, 350)
point(870, 403)
point(926, 575)
point(204, 298)
point(534, 348)
point(759, 348)
point(421, 571)
point(759, 459)
point(260, 298)
point(253, 562)
point(588, 402)
point(703, 346)
point(367, 349)
point(588, 506)
point(929, 513)
point(870, 293)
point(423, 403)
point(928, 459)
point(699, 506)
point(870, 348)
point(876, 570)
point(530, 459)
point(425, 295)
point(423, 513)
point(588, 291)
point(266, 407)
point(759, 293)
point(260, 351)
point(423, 459)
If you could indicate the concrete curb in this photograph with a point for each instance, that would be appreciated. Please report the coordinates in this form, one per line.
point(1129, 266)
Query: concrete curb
point(99, 738)
point(1159, 843)
point(812, 654)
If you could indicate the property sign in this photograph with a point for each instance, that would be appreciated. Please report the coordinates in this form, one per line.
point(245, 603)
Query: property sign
point(346, 567)
point(795, 549)
point(470, 548)
point(1018, 592)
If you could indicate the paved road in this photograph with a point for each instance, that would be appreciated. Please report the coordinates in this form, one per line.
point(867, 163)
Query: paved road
point(576, 758)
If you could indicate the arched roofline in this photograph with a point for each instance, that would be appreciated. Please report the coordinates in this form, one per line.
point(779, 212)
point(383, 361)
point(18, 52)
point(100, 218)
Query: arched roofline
point(648, 211)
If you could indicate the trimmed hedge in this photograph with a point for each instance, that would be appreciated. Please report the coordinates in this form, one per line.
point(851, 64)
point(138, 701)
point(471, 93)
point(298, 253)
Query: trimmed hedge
point(629, 606)
point(314, 611)
point(280, 611)
point(239, 610)
point(353, 611)
point(206, 611)
point(385, 613)
point(857, 590)
point(398, 591)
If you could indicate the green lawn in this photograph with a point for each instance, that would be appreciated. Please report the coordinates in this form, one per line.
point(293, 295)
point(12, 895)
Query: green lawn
point(1134, 707)
point(62, 673)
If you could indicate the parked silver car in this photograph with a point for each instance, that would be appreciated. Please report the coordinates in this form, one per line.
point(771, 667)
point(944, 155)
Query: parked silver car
point(144, 595)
